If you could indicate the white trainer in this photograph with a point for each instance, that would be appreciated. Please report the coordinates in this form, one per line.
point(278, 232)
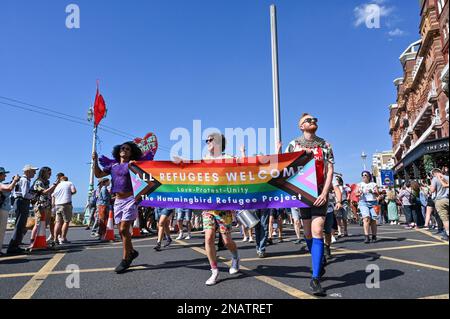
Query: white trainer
point(188, 237)
point(180, 236)
point(234, 266)
point(213, 279)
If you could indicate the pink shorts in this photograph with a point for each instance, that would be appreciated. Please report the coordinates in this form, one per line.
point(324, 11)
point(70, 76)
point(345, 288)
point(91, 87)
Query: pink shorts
point(125, 210)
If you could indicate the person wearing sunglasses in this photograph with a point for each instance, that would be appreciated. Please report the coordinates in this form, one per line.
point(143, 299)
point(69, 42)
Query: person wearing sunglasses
point(368, 193)
point(215, 219)
point(125, 208)
point(314, 217)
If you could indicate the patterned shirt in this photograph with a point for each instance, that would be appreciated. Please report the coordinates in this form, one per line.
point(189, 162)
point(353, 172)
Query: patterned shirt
point(43, 200)
point(323, 154)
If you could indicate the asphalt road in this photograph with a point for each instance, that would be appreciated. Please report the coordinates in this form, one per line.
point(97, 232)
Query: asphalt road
point(410, 264)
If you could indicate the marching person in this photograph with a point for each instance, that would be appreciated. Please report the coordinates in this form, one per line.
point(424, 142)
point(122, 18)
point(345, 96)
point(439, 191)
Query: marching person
point(125, 208)
point(314, 217)
point(5, 203)
point(163, 218)
point(223, 220)
point(184, 214)
point(22, 197)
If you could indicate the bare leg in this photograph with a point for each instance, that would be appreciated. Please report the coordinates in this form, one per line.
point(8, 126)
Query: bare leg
point(125, 234)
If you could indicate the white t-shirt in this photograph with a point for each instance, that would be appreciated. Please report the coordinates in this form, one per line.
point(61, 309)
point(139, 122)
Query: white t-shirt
point(63, 193)
point(365, 188)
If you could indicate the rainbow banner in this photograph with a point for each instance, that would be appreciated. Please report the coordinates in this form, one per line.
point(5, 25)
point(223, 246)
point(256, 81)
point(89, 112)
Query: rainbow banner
point(274, 181)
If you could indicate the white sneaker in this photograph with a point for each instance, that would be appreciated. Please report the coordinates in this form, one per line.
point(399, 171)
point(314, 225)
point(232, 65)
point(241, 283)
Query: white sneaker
point(234, 266)
point(188, 237)
point(245, 239)
point(251, 240)
point(180, 236)
point(333, 239)
point(213, 279)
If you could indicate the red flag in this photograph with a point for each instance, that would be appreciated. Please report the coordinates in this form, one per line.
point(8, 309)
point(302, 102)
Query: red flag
point(99, 108)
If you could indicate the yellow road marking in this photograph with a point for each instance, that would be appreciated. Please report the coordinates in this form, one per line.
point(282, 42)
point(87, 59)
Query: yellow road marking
point(12, 258)
point(444, 296)
point(33, 285)
point(268, 280)
point(403, 261)
point(431, 235)
point(120, 247)
point(412, 240)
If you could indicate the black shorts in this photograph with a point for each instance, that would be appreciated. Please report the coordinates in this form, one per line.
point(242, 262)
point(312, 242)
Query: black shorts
point(430, 202)
point(309, 213)
point(330, 223)
point(276, 213)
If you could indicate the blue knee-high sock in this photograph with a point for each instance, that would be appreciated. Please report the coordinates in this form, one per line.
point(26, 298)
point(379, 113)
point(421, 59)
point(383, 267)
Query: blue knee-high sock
point(316, 256)
point(309, 243)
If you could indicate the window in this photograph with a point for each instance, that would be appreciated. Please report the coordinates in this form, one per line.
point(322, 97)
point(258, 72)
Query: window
point(441, 4)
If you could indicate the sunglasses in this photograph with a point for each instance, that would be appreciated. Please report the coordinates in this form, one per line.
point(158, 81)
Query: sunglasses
point(210, 140)
point(310, 120)
point(125, 148)
point(365, 175)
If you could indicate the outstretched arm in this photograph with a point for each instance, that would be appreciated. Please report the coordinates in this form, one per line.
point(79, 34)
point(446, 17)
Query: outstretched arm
point(97, 171)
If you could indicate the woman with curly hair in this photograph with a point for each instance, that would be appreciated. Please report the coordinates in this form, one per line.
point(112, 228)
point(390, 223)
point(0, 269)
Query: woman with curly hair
point(125, 208)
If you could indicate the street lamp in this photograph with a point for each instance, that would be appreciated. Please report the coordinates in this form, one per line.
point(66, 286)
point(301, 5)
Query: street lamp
point(363, 157)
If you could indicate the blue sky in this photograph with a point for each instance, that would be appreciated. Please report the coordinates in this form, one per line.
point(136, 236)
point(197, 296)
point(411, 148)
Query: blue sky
point(163, 64)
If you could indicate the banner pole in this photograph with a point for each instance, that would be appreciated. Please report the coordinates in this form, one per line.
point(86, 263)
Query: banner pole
point(275, 76)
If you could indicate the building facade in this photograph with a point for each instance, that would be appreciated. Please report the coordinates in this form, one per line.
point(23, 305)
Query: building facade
point(382, 161)
point(419, 124)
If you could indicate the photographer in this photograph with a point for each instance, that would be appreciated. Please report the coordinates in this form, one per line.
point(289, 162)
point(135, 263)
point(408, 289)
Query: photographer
point(22, 196)
point(5, 203)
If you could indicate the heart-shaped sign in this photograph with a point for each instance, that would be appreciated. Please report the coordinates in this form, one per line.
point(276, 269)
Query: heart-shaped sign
point(148, 145)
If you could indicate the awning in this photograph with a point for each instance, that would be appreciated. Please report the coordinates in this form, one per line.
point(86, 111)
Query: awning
point(435, 146)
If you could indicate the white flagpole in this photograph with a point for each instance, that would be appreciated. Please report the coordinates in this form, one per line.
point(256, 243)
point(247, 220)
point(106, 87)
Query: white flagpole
point(275, 76)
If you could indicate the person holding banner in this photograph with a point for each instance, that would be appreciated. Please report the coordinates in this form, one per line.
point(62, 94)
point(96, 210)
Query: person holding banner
point(125, 208)
point(314, 217)
point(223, 220)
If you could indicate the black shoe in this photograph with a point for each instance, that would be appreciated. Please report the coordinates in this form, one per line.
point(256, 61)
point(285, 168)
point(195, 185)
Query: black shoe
point(269, 241)
point(16, 251)
point(123, 266)
point(167, 244)
point(367, 241)
point(134, 255)
point(157, 247)
point(317, 288)
point(374, 239)
point(87, 228)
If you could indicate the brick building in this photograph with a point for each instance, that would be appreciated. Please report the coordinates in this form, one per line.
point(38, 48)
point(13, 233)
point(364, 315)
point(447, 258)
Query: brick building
point(419, 124)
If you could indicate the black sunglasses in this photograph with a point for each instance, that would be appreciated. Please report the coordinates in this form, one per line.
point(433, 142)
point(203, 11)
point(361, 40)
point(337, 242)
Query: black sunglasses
point(125, 148)
point(209, 140)
point(310, 120)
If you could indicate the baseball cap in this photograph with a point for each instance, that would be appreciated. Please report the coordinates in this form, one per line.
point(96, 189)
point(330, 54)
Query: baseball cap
point(3, 171)
point(29, 167)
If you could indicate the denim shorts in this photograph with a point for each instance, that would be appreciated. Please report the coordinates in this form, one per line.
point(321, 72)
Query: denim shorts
point(367, 209)
point(184, 214)
point(295, 213)
point(162, 212)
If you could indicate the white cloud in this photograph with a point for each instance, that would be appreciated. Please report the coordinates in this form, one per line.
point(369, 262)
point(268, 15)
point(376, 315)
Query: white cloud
point(396, 33)
point(364, 12)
